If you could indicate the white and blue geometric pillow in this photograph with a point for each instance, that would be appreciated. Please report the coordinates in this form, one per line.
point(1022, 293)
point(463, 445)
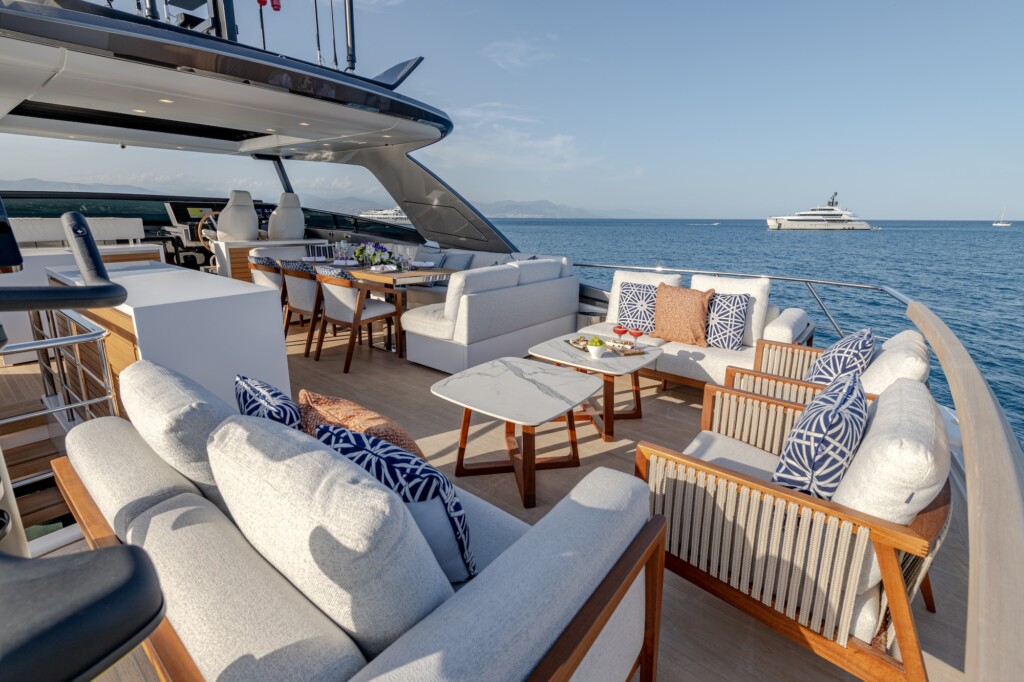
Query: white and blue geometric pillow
point(636, 306)
point(299, 265)
point(852, 353)
point(260, 399)
point(415, 481)
point(333, 271)
point(265, 261)
point(822, 443)
point(727, 318)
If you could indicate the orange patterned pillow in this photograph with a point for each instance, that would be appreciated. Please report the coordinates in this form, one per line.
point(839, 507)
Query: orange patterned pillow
point(682, 315)
point(320, 410)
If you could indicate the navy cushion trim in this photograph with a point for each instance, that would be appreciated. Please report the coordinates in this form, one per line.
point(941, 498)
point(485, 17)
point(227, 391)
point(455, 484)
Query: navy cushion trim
point(260, 399)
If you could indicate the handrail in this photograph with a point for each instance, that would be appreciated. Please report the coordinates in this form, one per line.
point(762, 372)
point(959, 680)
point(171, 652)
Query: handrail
point(994, 470)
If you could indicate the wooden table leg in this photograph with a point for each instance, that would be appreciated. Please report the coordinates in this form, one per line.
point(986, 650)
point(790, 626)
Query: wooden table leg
point(608, 432)
point(637, 411)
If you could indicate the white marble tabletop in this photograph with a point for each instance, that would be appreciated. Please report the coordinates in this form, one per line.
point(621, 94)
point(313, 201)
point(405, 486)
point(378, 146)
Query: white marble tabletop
point(518, 390)
point(557, 350)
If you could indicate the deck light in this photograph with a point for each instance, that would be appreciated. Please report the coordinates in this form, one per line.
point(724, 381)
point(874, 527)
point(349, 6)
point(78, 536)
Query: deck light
point(138, 111)
point(303, 123)
point(166, 101)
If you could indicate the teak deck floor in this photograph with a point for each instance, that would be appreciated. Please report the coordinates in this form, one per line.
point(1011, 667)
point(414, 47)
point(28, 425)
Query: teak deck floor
point(702, 637)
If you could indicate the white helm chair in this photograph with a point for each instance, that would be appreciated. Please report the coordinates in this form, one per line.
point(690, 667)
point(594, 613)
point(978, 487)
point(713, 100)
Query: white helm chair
point(237, 222)
point(287, 222)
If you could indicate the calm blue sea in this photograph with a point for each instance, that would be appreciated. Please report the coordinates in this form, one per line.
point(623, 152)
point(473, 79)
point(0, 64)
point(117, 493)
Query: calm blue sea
point(969, 273)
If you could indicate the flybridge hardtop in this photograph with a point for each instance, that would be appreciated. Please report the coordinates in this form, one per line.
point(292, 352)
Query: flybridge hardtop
point(70, 69)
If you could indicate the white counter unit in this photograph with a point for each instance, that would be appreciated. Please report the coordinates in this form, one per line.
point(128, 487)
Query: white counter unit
point(208, 328)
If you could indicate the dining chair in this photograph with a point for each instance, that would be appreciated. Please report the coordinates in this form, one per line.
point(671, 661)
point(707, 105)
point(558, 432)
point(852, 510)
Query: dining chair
point(341, 300)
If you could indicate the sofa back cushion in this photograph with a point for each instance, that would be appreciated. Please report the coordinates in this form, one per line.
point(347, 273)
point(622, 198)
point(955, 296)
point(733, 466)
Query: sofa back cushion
point(532, 271)
point(486, 259)
point(476, 281)
point(757, 310)
point(457, 260)
point(901, 361)
point(344, 540)
point(902, 463)
point(620, 276)
point(175, 416)
point(566, 262)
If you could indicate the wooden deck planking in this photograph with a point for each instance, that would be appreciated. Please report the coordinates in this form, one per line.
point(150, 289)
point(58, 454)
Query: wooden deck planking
point(702, 637)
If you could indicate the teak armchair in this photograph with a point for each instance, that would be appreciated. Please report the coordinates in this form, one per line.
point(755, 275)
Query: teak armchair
point(790, 560)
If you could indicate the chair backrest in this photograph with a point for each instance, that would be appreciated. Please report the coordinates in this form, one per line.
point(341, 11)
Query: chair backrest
point(301, 285)
point(238, 221)
point(265, 278)
point(759, 289)
point(287, 221)
point(620, 276)
point(339, 299)
point(476, 281)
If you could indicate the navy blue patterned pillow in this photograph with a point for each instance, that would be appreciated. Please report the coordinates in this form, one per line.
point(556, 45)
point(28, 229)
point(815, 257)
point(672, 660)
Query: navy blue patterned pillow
point(260, 399)
point(422, 487)
point(636, 305)
point(333, 271)
point(852, 353)
point(822, 443)
point(300, 265)
point(727, 318)
point(264, 260)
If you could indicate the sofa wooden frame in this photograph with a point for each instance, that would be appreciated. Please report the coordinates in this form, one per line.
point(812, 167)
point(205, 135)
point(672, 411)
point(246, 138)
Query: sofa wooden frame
point(171, 661)
point(706, 523)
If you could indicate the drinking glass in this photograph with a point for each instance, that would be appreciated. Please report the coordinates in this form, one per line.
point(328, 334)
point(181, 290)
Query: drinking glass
point(619, 330)
point(636, 333)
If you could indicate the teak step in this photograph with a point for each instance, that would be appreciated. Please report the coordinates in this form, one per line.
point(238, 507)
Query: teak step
point(42, 506)
point(31, 459)
point(23, 407)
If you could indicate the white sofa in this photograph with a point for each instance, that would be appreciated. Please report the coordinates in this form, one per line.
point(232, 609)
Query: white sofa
point(435, 293)
point(695, 365)
point(281, 560)
point(492, 312)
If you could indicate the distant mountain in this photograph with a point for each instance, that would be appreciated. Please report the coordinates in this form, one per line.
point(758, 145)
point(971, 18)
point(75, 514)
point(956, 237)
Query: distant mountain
point(35, 184)
point(545, 209)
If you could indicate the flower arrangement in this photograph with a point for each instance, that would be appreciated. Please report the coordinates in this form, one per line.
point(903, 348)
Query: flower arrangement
point(371, 253)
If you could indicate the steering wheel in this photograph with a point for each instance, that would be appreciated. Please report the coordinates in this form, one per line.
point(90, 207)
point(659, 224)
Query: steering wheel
point(199, 229)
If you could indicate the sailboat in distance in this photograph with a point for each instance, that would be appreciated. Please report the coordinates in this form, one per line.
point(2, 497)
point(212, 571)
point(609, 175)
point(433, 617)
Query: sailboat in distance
point(1002, 222)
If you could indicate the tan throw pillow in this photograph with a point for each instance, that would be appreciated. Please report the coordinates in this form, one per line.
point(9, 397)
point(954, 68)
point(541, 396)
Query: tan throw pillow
point(320, 410)
point(682, 314)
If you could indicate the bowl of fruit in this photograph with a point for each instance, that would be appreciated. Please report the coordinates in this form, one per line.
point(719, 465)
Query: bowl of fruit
point(596, 347)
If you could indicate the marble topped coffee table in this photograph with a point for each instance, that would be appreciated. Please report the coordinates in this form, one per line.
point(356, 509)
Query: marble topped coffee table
point(519, 392)
point(609, 366)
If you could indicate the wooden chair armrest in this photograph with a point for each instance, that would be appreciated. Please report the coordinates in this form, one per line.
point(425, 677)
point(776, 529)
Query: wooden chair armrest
point(713, 391)
point(903, 538)
point(775, 386)
point(769, 353)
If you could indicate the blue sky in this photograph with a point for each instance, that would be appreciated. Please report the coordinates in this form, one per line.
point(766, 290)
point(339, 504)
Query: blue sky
point(724, 109)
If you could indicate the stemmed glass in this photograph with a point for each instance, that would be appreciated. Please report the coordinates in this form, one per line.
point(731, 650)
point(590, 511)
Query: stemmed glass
point(619, 330)
point(636, 333)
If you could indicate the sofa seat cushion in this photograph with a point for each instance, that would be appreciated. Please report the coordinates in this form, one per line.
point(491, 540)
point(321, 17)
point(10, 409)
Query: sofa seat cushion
point(604, 330)
point(539, 270)
point(729, 453)
point(347, 542)
point(429, 495)
point(849, 354)
point(906, 360)
point(902, 464)
point(649, 278)
point(475, 282)
point(238, 617)
point(175, 416)
point(702, 364)
point(824, 439)
point(122, 474)
point(324, 410)
point(681, 315)
point(259, 399)
point(429, 320)
point(757, 287)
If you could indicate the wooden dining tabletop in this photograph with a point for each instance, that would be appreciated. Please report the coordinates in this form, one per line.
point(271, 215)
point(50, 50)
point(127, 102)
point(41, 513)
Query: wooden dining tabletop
point(399, 278)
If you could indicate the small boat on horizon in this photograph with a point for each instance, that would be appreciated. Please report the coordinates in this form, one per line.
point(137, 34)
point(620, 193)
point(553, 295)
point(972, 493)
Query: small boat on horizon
point(1002, 222)
point(829, 217)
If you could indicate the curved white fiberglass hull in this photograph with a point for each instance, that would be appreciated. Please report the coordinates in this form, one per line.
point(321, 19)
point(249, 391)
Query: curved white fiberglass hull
point(787, 224)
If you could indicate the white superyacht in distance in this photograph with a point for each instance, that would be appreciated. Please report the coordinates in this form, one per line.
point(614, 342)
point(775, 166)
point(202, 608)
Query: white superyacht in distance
point(830, 217)
point(395, 216)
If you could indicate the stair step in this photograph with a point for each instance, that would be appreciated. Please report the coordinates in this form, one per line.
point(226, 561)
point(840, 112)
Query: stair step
point(22, 407)
point(31, 459)
point(41, 507)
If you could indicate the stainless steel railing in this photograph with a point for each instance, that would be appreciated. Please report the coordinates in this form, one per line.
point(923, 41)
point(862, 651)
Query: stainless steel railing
point(58, 357)
point(994, 482)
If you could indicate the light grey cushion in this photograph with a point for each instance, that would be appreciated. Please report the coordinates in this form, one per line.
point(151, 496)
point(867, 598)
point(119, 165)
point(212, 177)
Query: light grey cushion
point(702, 364)
point(911, 336)
point(457, 260)
point(347, 542)
point(604, 329)
point(562, 559)
point(511, 310)
point(494, 530)
point(729, 453)
point(621, 276)
point(476, 281)
point(566, 262)
point(122, 474)
point(486, 259)
point(237, 616)
point(787, 326)
point(757, 310)
point(531, 271)
point(175, 416)
point(428, 320)
point(901, 465)
point(906, 360)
